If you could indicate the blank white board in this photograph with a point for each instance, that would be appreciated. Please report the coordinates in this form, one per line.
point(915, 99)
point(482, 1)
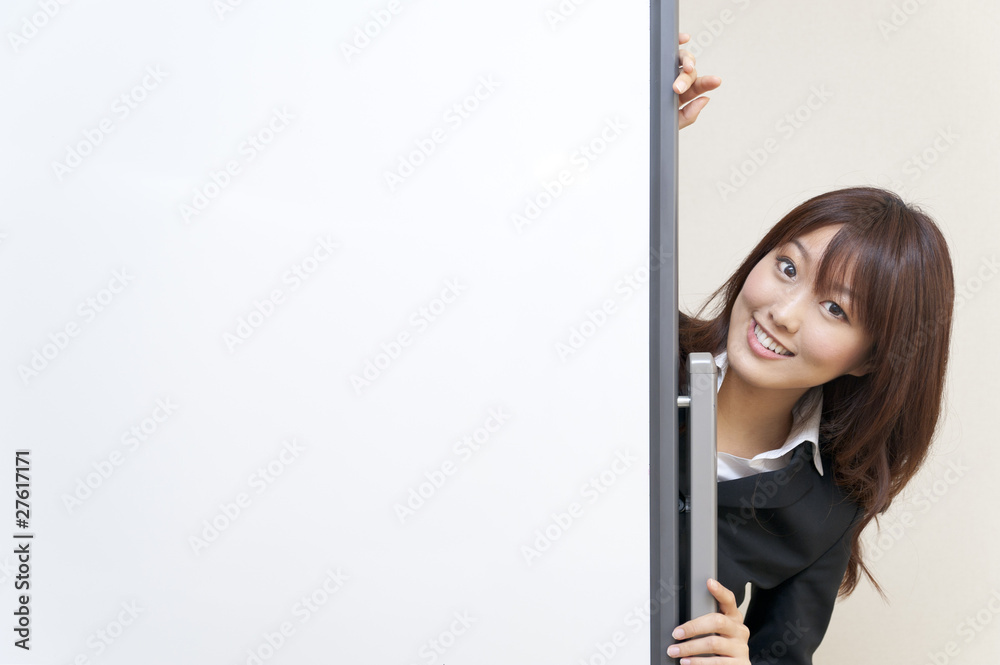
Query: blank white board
point(326, 331)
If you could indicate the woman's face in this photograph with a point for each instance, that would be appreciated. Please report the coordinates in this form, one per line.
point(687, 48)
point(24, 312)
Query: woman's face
point(782, 335)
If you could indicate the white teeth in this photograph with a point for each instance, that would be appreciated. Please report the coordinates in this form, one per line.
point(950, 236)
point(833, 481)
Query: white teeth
point(768, 342)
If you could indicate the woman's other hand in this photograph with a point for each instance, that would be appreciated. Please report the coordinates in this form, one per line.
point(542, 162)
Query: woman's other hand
point(721, 633)
point(689, 87)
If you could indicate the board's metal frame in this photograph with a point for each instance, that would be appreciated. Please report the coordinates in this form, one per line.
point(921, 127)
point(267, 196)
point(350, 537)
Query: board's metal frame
point(682, 507)
point(663, 352)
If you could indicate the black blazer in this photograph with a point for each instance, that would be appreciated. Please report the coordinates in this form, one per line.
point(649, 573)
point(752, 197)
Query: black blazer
point(787, 533)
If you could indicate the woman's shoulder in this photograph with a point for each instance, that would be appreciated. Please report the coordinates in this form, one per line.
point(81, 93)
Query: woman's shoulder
point(776, 524)
point(837, 496)
point(800, 499)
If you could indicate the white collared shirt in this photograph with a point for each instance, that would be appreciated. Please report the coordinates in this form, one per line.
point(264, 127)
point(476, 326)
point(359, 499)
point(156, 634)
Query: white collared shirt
point(805, 429)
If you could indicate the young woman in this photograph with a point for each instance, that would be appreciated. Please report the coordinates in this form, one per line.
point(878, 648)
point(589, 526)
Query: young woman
point(832, 341)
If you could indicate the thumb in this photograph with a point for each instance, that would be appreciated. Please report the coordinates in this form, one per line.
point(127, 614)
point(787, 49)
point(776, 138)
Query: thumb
point(726, 598)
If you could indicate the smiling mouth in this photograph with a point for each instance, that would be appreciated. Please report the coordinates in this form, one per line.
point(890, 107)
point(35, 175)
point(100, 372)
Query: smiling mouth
point(769, 343)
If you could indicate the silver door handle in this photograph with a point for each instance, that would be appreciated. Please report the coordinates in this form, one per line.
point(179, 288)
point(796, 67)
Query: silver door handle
point(702, 496)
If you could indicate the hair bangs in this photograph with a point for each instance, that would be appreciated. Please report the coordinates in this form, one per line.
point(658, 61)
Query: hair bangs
point(851, 271)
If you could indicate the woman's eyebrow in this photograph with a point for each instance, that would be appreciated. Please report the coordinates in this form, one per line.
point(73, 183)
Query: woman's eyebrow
point(802, 250)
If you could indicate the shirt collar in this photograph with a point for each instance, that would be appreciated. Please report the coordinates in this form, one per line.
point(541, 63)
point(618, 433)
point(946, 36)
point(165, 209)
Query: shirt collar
point(806, 415)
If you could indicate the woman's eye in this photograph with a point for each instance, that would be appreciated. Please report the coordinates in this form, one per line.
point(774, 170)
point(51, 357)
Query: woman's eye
point(835, 309)
point(786, 267)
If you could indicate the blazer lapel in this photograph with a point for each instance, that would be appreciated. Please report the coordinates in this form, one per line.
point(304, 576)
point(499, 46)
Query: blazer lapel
point(773, 489)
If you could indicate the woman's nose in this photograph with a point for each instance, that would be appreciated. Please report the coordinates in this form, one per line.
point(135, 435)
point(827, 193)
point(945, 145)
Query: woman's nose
point(785, 312)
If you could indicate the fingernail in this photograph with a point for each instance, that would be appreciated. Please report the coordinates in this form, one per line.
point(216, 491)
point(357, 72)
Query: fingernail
point(685, 661)
point(673, 651)
point(678, 633)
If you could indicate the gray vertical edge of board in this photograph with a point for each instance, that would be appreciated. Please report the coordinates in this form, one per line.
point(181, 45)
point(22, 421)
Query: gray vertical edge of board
point(703, 379)
point(663, 345)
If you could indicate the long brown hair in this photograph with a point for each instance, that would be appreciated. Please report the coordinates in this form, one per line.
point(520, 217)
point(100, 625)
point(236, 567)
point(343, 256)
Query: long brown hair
point(879, 426)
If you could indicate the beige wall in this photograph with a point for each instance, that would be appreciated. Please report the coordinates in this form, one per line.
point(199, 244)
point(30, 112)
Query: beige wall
point(903, 95)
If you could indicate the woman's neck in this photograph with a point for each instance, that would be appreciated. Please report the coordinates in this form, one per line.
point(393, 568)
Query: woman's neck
point(753, 420)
